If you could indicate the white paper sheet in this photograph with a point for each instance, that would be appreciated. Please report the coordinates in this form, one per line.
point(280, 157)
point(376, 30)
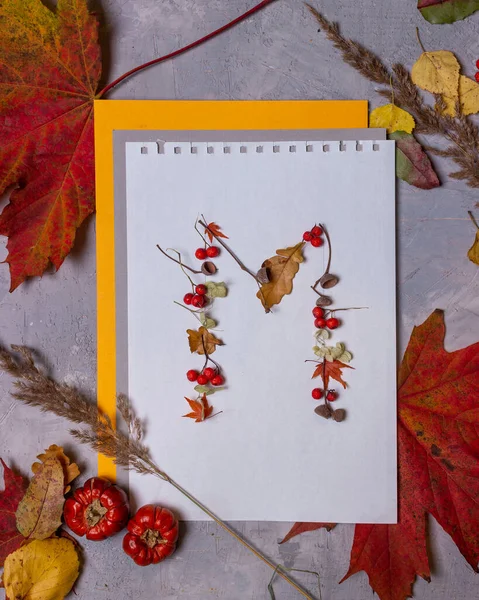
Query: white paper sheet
point(267, 456)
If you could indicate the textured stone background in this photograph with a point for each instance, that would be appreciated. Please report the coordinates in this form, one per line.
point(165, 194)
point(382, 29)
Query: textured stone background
point(278, 54)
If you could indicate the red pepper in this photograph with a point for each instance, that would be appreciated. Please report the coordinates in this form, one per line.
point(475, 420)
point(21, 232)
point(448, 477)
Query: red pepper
point(98, 510)
point(152, 536)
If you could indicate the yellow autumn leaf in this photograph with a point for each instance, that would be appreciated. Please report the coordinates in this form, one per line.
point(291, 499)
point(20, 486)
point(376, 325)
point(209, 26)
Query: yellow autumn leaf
point(437, 72)
point(473, 253)
point(281, 270)
point(70, 470)
point(468, 98)
point(392, 118)
point(41, 570)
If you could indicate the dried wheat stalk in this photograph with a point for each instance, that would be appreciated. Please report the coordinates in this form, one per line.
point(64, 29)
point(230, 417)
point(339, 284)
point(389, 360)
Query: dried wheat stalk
point(35, 388)
point(460, 131)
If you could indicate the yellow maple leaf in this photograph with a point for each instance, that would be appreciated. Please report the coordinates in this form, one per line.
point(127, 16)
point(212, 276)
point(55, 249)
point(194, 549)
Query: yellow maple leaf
point(70, 470)
point(437, 72)
point(468, 98)
point(41, 570)
point(281, 271)
point(201, 340)
point(473, 253)
point(392, 118)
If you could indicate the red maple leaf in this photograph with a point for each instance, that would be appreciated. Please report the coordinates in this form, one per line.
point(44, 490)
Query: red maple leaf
point(299, 528)
point(201, 410)
point(48, 80)
point(331, 369)
point(15, 487)
point(438, 454)
point(212, 230)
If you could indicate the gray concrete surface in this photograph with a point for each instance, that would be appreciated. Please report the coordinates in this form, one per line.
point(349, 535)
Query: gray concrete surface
point(276, 55)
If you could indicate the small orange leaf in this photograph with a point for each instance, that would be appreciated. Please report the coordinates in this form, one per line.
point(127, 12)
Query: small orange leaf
point(331, 369)
point(212, 230)
point(200, 408)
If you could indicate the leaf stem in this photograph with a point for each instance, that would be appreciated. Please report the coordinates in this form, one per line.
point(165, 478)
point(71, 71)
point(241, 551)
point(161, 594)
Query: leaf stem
point(178, 261)
point(184, 49)
point(419, 40)
point(473, 218)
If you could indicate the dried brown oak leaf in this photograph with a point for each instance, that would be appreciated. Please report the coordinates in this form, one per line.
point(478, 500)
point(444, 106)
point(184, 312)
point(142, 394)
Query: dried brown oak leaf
point(70, 470)
point(50, 68)
point(281, 269)
point(202, 340)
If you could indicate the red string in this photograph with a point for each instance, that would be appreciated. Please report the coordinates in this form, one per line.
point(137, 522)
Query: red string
point(194, 44)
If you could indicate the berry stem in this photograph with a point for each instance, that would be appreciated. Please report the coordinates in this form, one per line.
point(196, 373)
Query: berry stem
point(333, 310)
point(194, 44)
point(242, 266)
point(326, 401)
point(193, 312)
point(208, 357)
point(328, 266)
point(178, 261)
point(201, 235)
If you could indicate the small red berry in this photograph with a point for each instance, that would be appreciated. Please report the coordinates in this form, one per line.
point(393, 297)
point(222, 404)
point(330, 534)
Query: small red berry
point(317, 393)
point(217, 380)
point(187, 299)
point(192, 375)
point(316, 242)
point(201, 289)
point(316, 231)
point(332, 395)
point(307, 236)
point(202, 379)
point(209, 372)
point(320, 323)
point(476, 76)
point(332, 323)
point(318, 312)
point(198, 301)
point(201, 254)
point(477, 64)
point(212, 251)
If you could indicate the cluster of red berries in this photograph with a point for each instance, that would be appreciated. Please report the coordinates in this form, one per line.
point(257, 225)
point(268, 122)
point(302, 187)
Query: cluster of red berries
point(314, 236)
point(476, 76)
point(207, 375)
point(331, 395)
point(204, 253)
point(320, 322)
point(198, 299)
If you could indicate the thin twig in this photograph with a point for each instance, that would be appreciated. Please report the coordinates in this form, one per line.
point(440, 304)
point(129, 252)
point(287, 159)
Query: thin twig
point(328, 266)
point(177, 261)
point(473, 218)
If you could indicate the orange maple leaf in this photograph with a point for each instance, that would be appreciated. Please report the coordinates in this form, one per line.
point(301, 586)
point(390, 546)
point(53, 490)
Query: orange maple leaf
point(201, 410)
point(332, 370)
point(212, 230)
point(51, 66)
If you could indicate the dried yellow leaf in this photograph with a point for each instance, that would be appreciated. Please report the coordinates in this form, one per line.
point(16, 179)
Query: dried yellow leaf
point(437, 72)
point(392, 118)
point(41, 570)
point(70, 470)
point(473, 253)
point(468, 98)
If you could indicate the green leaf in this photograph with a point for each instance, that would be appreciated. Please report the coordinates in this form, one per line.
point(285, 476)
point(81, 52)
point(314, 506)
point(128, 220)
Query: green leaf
point(207, 321)
point(216, 290)
point(322, 334)
point(447, 11)
point(412, 163)
point(203, 389)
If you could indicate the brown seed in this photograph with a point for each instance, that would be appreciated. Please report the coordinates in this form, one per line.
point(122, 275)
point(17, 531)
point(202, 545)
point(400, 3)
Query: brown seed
point(328, 281)
point(324, 301)
point(339, 415)
point(323, 411)
point(263, 275)
point(208, 268)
